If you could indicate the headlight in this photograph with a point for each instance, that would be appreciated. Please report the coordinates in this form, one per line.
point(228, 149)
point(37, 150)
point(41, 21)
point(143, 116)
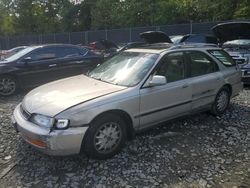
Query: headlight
point(62, 123)
point(43, 121)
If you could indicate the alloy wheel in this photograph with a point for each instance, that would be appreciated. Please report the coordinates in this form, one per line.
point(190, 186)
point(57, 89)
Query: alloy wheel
point(222, 101)
point(107, 137)
point(7, 86)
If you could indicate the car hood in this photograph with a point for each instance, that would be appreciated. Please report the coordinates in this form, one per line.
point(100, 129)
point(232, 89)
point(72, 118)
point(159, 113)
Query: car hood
point(246, 66)
point(155, 37)
point(108, 44)
point(232, 31)
point(55, 97)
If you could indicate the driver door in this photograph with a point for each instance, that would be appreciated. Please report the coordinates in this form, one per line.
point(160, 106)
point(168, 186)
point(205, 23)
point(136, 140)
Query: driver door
point(160, 103)
point(41, 68)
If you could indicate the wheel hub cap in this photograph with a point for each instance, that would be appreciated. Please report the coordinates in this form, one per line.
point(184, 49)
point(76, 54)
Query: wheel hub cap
point(222, 101)
point(107, 137)
point(7, 86)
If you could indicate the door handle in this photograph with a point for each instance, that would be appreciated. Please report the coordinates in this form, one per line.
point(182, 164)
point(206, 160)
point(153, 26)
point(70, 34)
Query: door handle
point(79, 62)
point(53, 65)
point(185, 85)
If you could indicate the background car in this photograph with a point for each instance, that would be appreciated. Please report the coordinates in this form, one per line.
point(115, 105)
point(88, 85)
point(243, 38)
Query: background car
point(40, 64)
point(125, 46)
point(104, 47)
point(234, 37)
point(194, 38)
point(176, 38)
point(152, 37)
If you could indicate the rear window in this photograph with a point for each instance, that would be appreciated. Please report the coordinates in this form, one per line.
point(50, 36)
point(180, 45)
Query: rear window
point(223, 57)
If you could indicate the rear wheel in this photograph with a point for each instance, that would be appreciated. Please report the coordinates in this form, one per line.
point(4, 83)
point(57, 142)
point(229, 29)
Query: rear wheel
point(105, 137)
point(8, 85)
point(221, 102)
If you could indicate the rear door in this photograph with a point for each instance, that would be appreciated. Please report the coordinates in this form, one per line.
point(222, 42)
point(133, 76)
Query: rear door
point(206, 79)
point(173, 99)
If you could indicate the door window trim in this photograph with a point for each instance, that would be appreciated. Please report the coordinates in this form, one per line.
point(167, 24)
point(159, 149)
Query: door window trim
point(188, 61)
point(159, 64)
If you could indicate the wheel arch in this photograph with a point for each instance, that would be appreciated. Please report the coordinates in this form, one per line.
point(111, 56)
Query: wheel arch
point(125, 116)
point(229, 88)
point(13, 76)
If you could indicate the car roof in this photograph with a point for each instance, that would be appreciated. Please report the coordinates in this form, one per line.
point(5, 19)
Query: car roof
point(54, 45)
point(163, 47)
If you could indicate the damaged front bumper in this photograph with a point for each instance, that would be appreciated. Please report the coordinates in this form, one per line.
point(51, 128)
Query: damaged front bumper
point(55, 142)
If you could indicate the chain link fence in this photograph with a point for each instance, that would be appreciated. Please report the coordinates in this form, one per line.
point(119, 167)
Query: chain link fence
point(116, 35)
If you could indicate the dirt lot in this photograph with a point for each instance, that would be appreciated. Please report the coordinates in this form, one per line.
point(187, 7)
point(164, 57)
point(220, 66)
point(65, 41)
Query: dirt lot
point(196, 151)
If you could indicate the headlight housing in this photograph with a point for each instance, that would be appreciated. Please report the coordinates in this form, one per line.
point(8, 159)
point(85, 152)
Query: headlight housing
point(43, 121)
point(49, 122)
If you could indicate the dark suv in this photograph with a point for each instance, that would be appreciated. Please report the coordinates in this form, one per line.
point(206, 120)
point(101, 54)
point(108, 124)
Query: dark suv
point(37, 65)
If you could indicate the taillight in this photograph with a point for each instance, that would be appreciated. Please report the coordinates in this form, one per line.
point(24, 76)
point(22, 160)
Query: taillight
point(92, 46)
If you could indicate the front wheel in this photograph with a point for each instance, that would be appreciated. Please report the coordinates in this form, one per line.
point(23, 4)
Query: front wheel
point(105, 137)
point(8, 85)
point(221, 102)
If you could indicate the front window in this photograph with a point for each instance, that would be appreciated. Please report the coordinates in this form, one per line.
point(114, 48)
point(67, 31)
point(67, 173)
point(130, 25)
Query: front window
point(125, 69)
point(172, 67)
point(43, 54)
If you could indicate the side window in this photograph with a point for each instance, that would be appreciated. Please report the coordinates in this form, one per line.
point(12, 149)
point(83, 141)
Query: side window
point(43, 54)
point(200, 64)
point(65, 52)
point(172, 67)
point(223, 57)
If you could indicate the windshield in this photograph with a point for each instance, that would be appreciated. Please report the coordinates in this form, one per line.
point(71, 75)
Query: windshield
point(238, 42)
point(125, 69)
point(19, 54)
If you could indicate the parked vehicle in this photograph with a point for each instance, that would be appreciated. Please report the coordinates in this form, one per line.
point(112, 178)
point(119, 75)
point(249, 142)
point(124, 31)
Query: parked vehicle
point(234, 37)
point(106, 48)
point(176, 38)
point(125, 46)
point(136, 89)
point(7, 53)
point(152, 37)
point(194, 38)
point(37, 65)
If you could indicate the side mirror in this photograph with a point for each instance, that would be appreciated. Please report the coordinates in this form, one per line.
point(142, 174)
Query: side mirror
point(27, 59)
point(157, 80)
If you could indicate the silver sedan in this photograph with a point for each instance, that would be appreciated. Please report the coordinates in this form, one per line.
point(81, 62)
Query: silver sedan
point(139, 88)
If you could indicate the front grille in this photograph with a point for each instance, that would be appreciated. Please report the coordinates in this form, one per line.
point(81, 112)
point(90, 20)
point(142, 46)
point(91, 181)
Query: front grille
point(246, 73)
point(24, 112)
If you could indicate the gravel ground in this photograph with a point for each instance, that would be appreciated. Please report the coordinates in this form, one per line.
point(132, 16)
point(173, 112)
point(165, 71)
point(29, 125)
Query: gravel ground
point(196, 151)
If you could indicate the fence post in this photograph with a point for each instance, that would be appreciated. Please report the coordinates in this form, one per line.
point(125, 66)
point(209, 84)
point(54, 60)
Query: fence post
point(86, 38)
point(130, 34)
point(106, 34)
point(191, 26)
point(54, 38)
point(69, 38)
point(7, 43)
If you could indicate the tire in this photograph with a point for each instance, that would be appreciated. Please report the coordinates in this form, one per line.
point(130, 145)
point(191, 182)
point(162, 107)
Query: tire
point(106, 137)
point(8, 85)
point(221, 101)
